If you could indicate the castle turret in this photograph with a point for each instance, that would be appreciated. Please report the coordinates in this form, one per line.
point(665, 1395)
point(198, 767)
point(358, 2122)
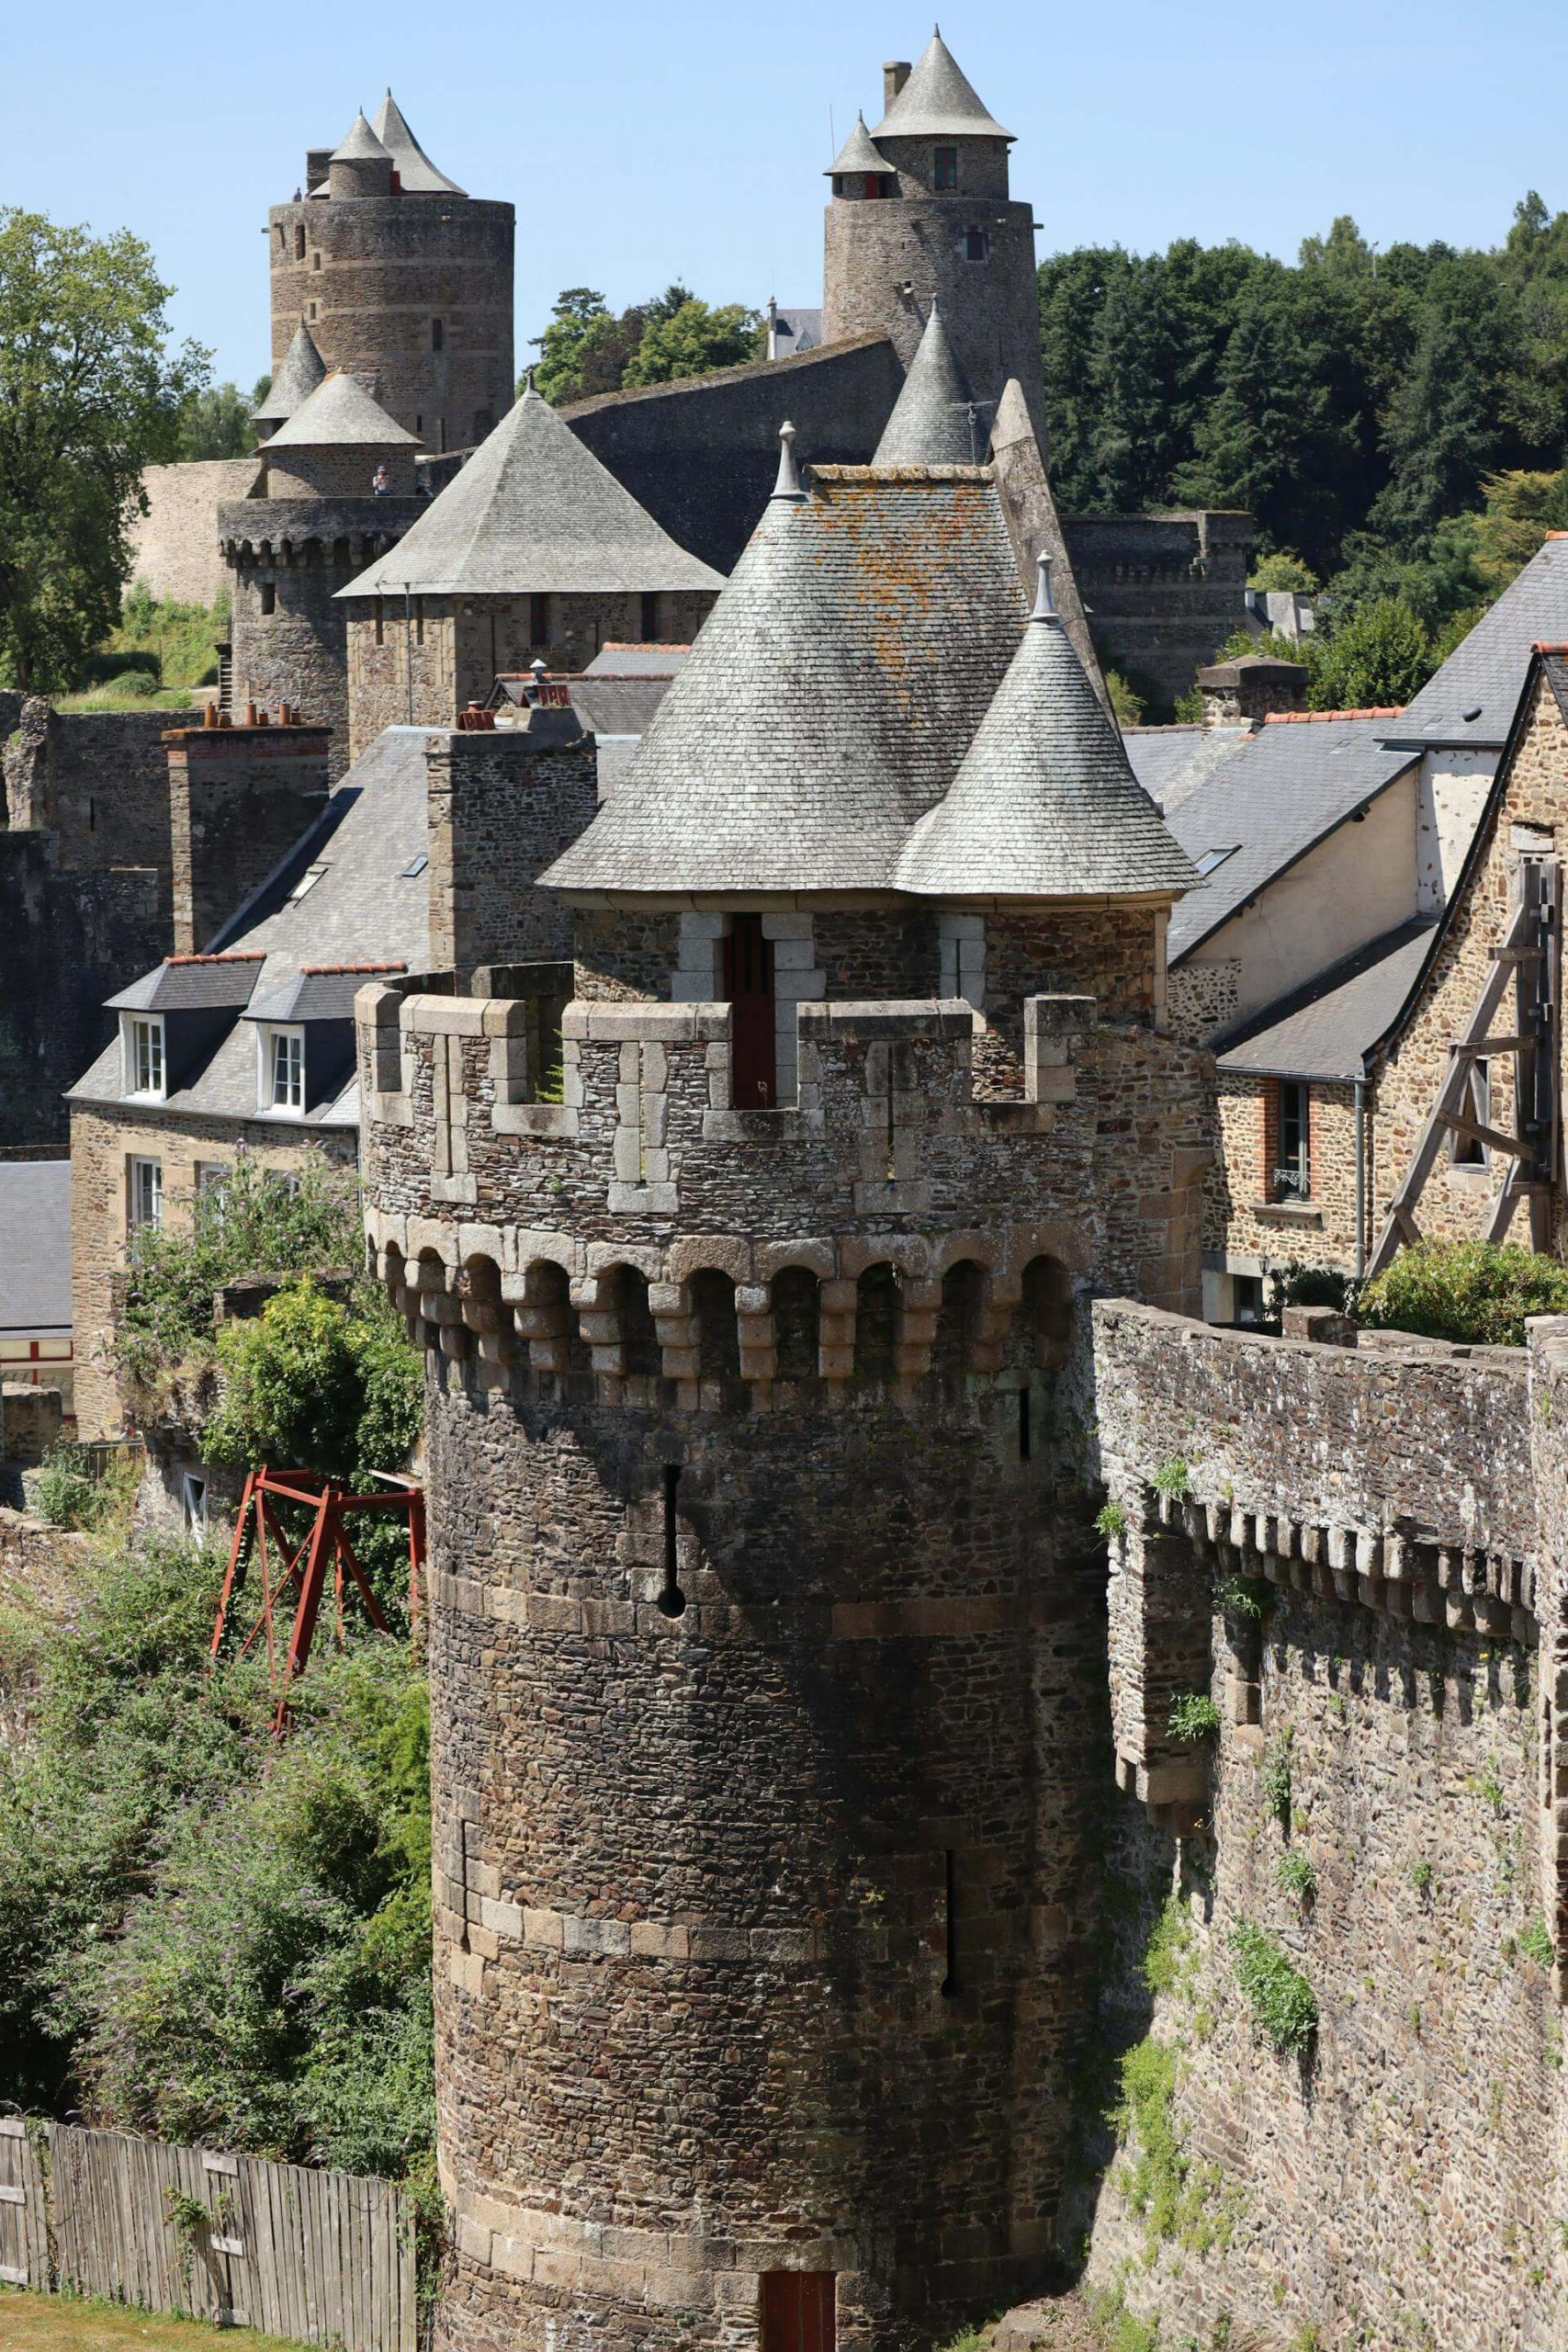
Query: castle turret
point(335, 490)
point(935, 420)
point(767, 1635)
point(302, 369)
point(532, 552)
point(400, 277)
point(920, 212)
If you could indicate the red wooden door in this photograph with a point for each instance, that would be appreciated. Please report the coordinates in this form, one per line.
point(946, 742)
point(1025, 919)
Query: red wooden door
point(799, 2311)
point(749, 987)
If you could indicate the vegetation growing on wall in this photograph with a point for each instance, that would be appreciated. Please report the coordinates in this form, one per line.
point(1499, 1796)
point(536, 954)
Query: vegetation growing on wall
point(1283, 2005)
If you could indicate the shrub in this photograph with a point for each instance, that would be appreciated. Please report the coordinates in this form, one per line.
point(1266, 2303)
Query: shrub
point(1473, 1291)
point(65, 1492)
point(1277, 1776)
point(1295, 1873)
point(1127, 704)
point(1282, 2003)
point(1536, 1943)
point(1172, 1478)
point(1294, 1285)
point(1111, 1519)
point(311, 1384)
point(1194, 1716)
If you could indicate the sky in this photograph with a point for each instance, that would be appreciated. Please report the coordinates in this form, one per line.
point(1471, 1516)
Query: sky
point(643, 144)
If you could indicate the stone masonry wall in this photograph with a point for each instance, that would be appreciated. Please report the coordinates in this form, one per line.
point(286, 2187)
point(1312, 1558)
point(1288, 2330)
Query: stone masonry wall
point(1373, 1801)
point(1456, 1201)
point(502, 808)
point(1239, 1215)
point(103, 1143)
point(68, 941)
point(240, 797)
point(175, 549)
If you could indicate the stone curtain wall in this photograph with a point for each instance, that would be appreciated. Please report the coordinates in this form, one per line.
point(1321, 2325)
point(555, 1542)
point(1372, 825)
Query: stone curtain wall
point(1456, 1201)
point(175, 544)
point(1165, 590)
point(1405, 2182)
point(101, 1144)
point(68, 941)
point(502, 808)
point(99, 781)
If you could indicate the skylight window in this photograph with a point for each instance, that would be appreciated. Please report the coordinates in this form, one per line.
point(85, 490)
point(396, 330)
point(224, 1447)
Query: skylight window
point(1213, 859)
point(415, 866)
point(308, 880)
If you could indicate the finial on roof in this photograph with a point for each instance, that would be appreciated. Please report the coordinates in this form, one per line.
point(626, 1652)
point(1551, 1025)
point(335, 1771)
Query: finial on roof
point(1045, 602)
point(532, 390)
point(789, 485)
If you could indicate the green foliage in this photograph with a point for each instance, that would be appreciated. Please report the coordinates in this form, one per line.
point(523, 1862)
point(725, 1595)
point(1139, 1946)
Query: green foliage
point(1475, 1292)
point(1421, 1877)
point(252, 1223)
point(692, 340)
point(208, 1936)
point(1111, 1519)
point(1172, 1478)
point(1250, 1598)
point(587, 350)
point(1535, 1942)
point(65, 1492)
point(1294, 1285)
point(1276, 1776)
point(1295, 1873)
point(89, 398)
point(1284, 569)
point(1167, 1946)
point(1380, 654)
point(1282, 2003)
point(180, 640)
point(1127, 706)
point(219, 421)
point(308, 1383)
point(1194, 1716)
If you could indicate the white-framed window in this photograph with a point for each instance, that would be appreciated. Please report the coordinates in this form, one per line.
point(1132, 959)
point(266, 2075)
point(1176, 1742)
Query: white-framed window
point(144, 1060)
point(283, 1089)
point(145, 1192)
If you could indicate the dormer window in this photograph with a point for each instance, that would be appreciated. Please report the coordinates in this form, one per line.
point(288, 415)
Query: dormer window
point(144, 1059)
point(284, 1051)
point(944, 174)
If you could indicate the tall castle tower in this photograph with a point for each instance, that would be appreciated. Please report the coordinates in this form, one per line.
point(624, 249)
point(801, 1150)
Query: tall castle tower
point(920, 213)
point(402, 280)
point(767, 1648)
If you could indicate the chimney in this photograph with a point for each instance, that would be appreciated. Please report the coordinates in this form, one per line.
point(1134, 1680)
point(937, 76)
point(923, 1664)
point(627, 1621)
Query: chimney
point(1242, 692)
point(895, 74)
point(316, 162)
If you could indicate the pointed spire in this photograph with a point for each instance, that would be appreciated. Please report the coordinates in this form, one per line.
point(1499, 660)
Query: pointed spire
point(931, 420)
point(360, 145)
point(1044, 601)
point(340, 414)
point(789, 485)
point(858, 155)
point(1044, 804)
point(301, 370)
point(937, 102)
point(417, 176)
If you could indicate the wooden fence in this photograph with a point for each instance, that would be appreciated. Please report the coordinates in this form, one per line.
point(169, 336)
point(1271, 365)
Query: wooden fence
point(325, 2257)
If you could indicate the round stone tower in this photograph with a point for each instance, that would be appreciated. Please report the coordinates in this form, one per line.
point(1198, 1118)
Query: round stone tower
point(335, 490)
point(402, 280)
point(767, 1639)
point(919, 212)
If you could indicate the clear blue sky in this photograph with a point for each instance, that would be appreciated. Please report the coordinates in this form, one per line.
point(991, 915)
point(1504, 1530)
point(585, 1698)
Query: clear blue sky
point(641, 144)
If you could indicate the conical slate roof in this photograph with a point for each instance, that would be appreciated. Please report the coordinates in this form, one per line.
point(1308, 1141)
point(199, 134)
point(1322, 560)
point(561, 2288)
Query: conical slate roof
point(417, 175)
point(937, 102)
point(1044, 804)
point(858, 155)
point(929, 423)
point(303, 368)
point(340, 414)
point(360, 146)
point(828, 698)
point(534, 512)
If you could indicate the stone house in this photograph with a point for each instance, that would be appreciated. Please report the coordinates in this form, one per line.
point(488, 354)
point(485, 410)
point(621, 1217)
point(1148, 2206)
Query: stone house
point(1331, 844)
point(533, 552)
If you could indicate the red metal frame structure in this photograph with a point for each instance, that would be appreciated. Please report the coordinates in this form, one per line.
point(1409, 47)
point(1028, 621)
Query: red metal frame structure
point(304, 1563)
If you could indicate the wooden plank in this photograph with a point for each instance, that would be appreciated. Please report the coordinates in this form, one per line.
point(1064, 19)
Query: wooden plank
point(1492, 1137)
point(287, 2188)
point(262, 2285)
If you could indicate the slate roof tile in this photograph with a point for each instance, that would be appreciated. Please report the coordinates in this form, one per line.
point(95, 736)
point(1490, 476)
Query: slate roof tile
point(938, 101)
point(929, 423)
point(1324, 1029)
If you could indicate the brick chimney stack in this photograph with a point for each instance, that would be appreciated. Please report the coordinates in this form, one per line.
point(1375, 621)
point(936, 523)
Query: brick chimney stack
point(895, 74)
point(1242, 692)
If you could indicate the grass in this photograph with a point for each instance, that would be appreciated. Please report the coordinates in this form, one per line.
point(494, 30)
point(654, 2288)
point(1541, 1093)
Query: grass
point(116, 695)
point(63, 2323)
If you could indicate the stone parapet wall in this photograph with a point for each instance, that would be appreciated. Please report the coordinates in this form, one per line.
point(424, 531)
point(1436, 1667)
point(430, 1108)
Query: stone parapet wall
point(887, 1135)
point(1353, 1552)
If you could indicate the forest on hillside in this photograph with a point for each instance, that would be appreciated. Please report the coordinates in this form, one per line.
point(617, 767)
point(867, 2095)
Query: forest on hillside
point(1398, 419)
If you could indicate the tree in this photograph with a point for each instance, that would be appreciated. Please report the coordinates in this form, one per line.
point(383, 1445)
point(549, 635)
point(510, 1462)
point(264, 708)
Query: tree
point(692, 339)
point(587, 348)
point(88, 397)
point(1283, 569)
point(219, 421)
point(1381, 655)
point(1519, 510)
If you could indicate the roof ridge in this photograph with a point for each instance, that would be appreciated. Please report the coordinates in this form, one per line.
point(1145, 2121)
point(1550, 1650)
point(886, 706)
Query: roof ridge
point(224, 955)
point(1309, 718)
